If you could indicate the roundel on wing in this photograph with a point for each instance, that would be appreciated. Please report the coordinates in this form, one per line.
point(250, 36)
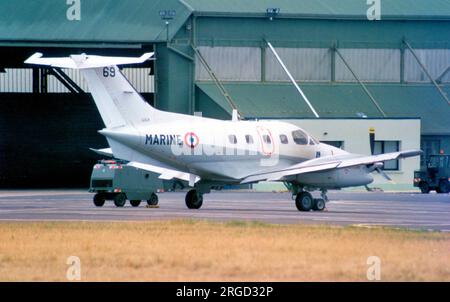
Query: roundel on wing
point(191, 139)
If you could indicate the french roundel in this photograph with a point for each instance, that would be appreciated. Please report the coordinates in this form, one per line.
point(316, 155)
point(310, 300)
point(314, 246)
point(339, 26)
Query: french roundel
point(191, 139)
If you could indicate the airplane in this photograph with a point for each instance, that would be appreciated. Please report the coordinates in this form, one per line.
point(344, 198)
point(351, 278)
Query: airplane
point(210, 153)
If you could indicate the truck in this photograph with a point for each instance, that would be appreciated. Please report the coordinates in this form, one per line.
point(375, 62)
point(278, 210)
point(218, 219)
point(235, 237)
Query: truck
point(435, 175)
point(114, 180)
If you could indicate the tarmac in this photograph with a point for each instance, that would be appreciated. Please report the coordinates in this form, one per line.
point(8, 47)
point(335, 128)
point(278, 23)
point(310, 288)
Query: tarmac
point(368, 209)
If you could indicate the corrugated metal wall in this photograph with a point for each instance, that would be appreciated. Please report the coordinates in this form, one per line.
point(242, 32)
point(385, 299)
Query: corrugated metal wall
point(435, 60)
point(305, 64)
point(55, 86)
point(20, 80)
point(374, 65)
point(244, 64)
point(230, 63)
point(16, 80)
point(140, 78)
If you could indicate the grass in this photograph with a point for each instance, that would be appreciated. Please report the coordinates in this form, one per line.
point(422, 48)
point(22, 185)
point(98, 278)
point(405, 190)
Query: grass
point(212, 251)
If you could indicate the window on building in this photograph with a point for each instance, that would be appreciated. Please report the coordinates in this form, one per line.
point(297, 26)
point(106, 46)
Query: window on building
point(381, 147)
point(267, 139)
point(283, 139)
point(249, 139)
point(337, 144)
point(232, 139)
point(300, 137)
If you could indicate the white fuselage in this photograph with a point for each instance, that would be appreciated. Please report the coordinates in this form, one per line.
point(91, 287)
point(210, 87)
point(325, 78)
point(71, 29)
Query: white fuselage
point(227, 151)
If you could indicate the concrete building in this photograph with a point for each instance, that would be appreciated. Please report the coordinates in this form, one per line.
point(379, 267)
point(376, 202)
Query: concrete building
point(392, 74)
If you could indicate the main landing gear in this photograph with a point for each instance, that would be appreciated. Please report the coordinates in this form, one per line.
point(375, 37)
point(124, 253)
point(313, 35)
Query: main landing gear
point(305, 202)
point(303, 199)
point(194, 199)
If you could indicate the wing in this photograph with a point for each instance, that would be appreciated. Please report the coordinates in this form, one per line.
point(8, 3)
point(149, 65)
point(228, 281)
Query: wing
point(328, 163)
point(165, 173)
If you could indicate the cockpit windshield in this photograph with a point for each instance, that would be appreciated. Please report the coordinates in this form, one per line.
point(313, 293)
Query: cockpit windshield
point(300, 137)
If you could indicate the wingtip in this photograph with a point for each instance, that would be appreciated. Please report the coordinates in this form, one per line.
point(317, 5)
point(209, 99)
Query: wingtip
point(411, 153)
point(34, 56)
point(147, 56)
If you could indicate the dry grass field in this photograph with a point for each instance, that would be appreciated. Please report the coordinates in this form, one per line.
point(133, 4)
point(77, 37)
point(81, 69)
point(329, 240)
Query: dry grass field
point(212, 251)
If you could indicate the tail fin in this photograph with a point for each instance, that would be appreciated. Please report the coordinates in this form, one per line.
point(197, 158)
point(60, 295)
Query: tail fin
point(118, 102)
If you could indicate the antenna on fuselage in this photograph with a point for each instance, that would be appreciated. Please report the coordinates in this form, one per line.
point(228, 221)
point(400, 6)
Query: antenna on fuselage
point(292, 78)
point(235, 116)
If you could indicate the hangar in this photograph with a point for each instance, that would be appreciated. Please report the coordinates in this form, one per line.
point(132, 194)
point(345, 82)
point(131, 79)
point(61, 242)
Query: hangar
point(391, 74)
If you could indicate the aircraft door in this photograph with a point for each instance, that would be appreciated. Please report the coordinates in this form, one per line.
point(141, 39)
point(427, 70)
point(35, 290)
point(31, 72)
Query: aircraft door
point(267, 142)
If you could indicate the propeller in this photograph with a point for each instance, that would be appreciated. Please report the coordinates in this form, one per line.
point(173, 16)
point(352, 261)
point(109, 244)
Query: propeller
point(377, 167)
point(383, 174)
point(372, 140)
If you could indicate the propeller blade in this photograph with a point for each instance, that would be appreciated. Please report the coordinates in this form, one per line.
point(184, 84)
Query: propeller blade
point(383, 174)
point(372, 140)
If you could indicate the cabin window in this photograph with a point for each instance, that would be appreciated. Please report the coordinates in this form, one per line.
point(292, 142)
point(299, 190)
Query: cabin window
point(300, 137)
point(249, 139)
point(283, 139)
point(266, 139)
point(232, 139)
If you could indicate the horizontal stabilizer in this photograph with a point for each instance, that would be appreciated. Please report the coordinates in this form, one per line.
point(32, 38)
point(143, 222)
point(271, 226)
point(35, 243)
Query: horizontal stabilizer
point(106, 151)
point(165, 173)
point(84, 61)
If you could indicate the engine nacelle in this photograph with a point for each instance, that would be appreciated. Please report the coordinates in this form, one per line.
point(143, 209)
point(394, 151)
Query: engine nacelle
point(338, 178)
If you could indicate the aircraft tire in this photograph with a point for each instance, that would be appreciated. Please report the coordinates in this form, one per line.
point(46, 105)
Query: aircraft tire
point(99, 200)
point(304, 201)
point(194, 200)
point(319, 204)
point(135, 203)
point(153, 200)
point(119, 200)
